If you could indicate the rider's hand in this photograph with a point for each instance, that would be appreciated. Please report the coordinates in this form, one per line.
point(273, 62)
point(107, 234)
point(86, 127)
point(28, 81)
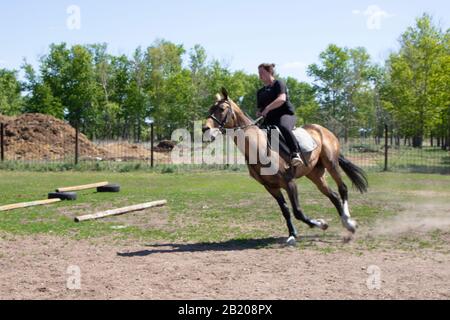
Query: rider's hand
point(265, 113)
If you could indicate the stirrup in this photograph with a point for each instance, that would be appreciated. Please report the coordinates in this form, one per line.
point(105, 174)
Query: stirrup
point(296, 160)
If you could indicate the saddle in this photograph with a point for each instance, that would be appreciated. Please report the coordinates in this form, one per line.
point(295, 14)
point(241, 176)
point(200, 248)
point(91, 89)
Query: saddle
point(305, 141)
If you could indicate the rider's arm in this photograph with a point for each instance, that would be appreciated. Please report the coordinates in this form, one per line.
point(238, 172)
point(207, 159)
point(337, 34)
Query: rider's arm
point(281, 89)
point(278, 102)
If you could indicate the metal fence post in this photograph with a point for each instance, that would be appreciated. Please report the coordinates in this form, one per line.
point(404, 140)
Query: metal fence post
point(386, 147)
point(2, 142)
point(152, 145)
point(77, 130)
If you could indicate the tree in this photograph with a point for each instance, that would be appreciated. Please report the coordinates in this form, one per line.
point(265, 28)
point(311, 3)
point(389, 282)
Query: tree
point(165, 60)
point(79, 96)
point(10, 93)
point(329, 83)
point(417, 76)
point(70, 76)
point(40, 98)
point(344, 85)
point(303, 97)
point(138, 100)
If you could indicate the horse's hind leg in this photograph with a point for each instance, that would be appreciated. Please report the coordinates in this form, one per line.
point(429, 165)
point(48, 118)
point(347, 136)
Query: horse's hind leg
point(346, 219)
point(298, 213)
point(278, 195)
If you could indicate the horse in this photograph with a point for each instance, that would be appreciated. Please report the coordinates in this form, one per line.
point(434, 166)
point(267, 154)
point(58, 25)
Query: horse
point(226, 115)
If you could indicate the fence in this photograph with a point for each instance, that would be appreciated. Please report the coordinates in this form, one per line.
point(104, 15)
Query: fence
point(43, 143)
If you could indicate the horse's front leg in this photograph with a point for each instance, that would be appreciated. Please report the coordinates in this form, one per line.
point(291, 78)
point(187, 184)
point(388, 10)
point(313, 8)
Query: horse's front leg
point(278, 195)
point(298, 213)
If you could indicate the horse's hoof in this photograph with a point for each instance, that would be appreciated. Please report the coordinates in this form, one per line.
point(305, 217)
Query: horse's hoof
point(322, 224)
point(350, 225)
point(291, 241)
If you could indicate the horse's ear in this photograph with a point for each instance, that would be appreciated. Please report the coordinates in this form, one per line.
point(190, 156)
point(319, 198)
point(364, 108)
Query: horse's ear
point(225, 93)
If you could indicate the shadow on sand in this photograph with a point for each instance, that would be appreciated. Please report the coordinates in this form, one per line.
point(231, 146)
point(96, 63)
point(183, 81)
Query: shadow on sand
point(230, 245)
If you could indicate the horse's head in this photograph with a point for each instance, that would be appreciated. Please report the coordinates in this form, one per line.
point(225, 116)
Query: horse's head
point(221, 116)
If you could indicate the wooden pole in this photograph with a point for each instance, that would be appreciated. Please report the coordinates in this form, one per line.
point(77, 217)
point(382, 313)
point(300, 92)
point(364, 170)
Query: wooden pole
point(77, 130)
point(119, 211)
point(28, 204)
point(83, 187)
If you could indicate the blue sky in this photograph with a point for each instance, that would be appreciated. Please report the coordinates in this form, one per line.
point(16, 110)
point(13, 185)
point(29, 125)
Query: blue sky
point(243, 33)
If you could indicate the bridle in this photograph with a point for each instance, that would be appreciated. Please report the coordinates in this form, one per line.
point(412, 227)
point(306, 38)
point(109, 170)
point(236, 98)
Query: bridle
point(230, 113)
point(222, 124)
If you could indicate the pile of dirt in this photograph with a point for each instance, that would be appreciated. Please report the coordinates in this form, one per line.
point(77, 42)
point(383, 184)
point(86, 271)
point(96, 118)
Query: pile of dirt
point(35, 136)
point(5, 119)
point(39, 137)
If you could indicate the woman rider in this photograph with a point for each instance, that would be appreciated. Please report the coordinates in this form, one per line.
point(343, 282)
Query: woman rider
point(273, 104)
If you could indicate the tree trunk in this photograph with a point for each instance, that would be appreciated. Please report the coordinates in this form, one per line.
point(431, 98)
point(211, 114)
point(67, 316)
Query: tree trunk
point(417, 142)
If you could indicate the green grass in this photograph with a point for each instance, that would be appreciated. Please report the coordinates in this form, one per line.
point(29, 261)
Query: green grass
point(211, 206)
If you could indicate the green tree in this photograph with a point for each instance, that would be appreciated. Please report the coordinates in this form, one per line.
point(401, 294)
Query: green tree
point(165, 60)
point(344, 83)
point(417, 74)
point(10, 93)
point(303, 97)
point(329, 78)
point(40, 98)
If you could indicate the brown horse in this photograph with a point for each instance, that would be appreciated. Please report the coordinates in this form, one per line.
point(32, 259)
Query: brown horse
point(225, 114)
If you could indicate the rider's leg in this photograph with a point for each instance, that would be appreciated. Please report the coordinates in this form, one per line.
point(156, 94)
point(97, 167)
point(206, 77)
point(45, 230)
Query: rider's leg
point(286, 124)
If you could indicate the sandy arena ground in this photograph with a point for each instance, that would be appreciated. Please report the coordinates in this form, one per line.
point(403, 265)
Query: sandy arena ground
point(36, 268)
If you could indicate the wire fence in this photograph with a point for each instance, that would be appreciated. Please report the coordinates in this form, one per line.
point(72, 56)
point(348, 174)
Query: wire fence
point(40, 143)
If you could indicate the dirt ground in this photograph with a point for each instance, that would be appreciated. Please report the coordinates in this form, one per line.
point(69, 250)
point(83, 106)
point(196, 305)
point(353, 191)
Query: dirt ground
point(39, 267)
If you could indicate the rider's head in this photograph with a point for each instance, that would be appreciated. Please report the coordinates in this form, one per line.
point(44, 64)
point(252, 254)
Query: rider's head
point(266, 72)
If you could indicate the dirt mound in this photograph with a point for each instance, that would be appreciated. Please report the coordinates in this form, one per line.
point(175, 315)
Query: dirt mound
point(5, 119)
point(42, 137)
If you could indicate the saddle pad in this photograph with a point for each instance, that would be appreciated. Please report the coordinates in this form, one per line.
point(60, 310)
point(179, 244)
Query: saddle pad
point(306, 142)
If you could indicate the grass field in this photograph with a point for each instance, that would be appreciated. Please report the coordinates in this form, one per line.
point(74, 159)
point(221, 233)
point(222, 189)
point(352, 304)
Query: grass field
point(215, 206)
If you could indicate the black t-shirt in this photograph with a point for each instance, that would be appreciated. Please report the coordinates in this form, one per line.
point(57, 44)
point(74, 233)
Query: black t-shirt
point(269, 94)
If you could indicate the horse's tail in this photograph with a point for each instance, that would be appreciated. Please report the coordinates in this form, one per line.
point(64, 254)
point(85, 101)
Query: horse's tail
point(355, 173)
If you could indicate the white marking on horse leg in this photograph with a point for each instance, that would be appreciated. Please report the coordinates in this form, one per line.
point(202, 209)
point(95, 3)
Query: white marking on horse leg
point(346, 211)
point(348, 222)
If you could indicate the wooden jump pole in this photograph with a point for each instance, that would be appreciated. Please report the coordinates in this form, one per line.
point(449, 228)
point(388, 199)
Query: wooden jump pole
point(28, 204)
point(83, 187)
point(119, 211)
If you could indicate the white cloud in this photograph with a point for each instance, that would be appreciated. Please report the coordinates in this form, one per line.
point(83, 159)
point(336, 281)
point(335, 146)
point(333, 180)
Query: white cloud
point(374, 15)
